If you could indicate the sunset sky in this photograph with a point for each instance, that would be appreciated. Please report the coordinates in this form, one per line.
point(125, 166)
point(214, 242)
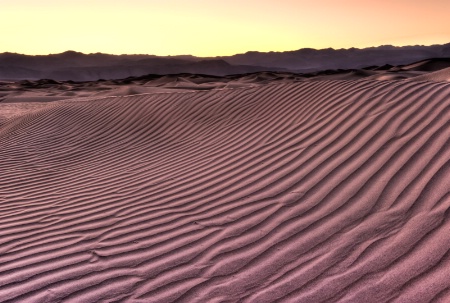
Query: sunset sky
point(215, 28)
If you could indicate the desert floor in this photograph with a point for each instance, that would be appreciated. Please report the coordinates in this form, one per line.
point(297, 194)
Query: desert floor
point(261, 188)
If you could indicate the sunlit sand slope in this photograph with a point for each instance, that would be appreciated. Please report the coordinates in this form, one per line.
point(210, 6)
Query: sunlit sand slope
point(324, 191)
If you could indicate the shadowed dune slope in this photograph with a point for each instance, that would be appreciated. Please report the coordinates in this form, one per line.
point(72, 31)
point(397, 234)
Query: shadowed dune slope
point(322, 191)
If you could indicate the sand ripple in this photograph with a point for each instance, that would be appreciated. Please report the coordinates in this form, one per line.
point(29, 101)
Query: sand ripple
point(324, 191)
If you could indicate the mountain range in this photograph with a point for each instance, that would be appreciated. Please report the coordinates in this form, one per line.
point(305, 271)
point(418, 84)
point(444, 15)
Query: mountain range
point(77, 66)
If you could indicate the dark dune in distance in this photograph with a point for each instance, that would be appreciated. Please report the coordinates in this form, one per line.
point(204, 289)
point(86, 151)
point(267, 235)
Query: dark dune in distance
point(263, 186)
point(19, 96)
point(80, 67)
point(43, 90)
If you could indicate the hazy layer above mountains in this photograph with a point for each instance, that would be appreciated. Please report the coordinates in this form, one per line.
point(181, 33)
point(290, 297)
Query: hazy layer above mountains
point(76, 66)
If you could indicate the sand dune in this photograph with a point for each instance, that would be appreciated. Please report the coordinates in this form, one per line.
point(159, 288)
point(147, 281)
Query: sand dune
point(428, 65)
point(311, 191)
point(442, 75)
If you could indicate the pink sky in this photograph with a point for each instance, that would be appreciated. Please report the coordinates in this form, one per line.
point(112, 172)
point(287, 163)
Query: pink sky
point(212, 28)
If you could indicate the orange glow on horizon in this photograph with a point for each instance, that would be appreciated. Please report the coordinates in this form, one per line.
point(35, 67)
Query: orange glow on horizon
point(216, 28)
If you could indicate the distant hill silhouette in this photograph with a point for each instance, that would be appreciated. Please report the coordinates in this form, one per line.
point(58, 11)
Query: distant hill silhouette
point(77, 66)
point(308, 59)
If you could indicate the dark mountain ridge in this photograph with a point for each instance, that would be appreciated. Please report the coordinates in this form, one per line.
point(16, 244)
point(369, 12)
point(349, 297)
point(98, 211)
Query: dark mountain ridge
point(308, 59)
point(77, 66)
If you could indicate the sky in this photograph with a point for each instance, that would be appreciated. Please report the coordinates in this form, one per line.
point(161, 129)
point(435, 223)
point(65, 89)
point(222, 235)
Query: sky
point(210, 28)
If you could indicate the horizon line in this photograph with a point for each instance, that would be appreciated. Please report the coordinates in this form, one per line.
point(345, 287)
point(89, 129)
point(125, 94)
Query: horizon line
point(220, 56)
